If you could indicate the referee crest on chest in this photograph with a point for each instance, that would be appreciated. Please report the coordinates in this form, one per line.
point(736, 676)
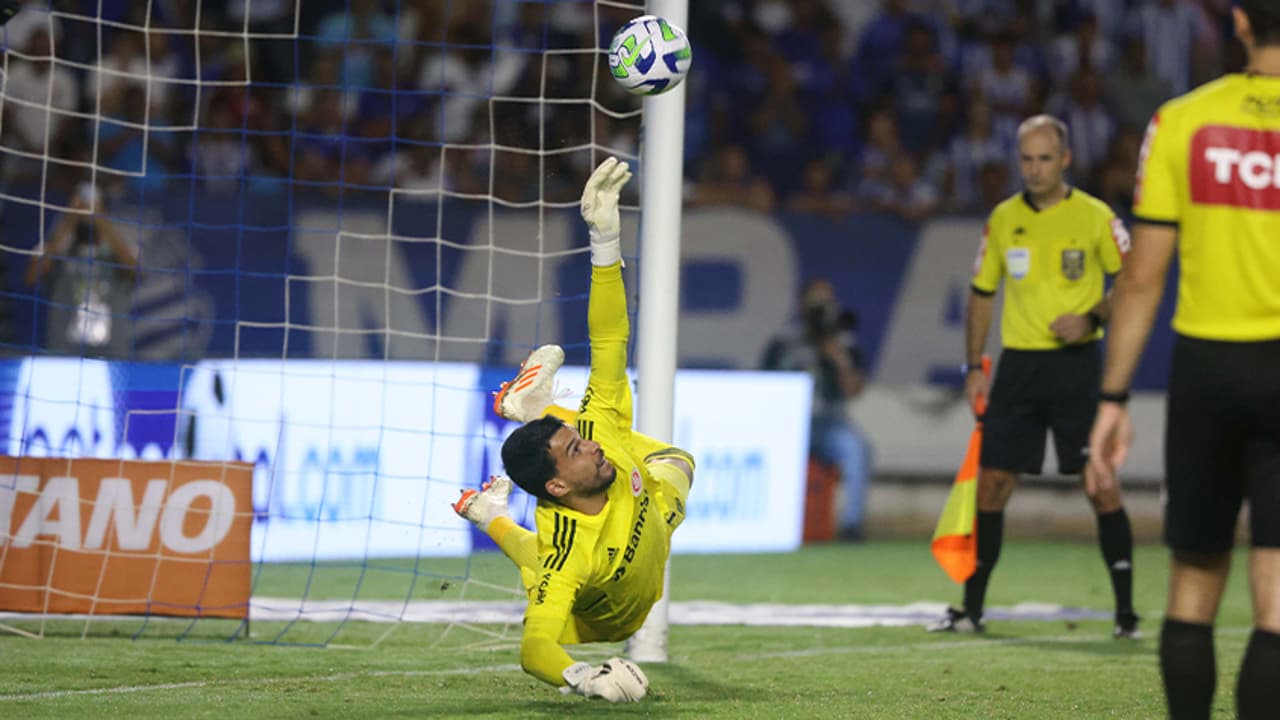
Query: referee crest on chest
point(1073, 263)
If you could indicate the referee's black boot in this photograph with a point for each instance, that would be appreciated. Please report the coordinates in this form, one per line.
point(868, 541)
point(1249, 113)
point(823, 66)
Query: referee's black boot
point(1126, 627)
point(958, 621)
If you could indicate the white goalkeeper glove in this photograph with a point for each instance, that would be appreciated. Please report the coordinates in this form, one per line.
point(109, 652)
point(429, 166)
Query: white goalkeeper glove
point(600, 210)
point(616, 680)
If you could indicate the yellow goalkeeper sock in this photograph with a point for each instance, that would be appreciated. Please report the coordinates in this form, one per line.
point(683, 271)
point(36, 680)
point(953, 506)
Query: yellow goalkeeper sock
point(516, 542)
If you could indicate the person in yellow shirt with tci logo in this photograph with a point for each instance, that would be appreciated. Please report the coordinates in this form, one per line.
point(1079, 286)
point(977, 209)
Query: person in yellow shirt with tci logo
point(1052, 245)
point(1209, 186)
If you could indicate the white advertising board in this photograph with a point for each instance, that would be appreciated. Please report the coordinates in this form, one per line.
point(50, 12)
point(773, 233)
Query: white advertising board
point(358, 459)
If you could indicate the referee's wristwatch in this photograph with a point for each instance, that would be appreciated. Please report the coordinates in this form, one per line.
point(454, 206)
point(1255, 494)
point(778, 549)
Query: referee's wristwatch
point(1119, 398)
point(966, 368)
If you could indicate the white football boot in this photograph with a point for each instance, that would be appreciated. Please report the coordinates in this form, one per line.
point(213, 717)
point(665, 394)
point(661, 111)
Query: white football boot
point(525, 397)
point(483, 505)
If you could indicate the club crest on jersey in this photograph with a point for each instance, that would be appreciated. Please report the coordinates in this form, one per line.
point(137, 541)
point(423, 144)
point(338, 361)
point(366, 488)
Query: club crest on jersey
point(1073, 263)
point(636, 484)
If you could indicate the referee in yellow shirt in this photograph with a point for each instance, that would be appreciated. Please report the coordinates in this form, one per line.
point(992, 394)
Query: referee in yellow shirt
point(1052, 247)
point(1209, 187)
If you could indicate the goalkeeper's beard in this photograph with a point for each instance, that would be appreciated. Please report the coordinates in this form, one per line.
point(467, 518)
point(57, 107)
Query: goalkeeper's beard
point(605, 477)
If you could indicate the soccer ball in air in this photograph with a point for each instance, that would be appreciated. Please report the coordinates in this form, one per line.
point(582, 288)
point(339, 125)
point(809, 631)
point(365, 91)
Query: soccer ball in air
point(649, 55)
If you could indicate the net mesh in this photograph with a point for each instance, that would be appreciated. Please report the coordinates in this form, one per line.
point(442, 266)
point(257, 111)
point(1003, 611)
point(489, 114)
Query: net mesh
point(306, 236)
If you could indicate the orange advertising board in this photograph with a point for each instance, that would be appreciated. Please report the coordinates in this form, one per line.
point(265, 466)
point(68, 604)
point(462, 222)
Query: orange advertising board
point(109, 537)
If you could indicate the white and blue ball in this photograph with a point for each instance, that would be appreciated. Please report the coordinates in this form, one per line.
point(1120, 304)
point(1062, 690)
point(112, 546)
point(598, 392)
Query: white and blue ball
point(649, 55)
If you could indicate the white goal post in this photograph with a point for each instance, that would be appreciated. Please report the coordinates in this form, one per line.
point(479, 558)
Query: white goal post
point(662, 170)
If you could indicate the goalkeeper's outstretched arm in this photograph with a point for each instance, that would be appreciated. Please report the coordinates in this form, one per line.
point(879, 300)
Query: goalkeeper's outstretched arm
point(607, 322)
point(599, 209)
point(542, 655)
point(617, 680)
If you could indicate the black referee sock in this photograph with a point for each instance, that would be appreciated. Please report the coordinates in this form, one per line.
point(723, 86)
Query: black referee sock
point(1116, 539)
point(1258, 690)
point(1188, 668)
point(990, 536)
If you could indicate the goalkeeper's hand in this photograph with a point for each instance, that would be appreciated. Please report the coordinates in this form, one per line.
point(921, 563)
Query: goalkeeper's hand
point(616, 680)
point(600, 210)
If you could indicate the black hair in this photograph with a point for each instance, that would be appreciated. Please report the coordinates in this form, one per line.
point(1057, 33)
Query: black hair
point(526, 455)
point(1264, 20)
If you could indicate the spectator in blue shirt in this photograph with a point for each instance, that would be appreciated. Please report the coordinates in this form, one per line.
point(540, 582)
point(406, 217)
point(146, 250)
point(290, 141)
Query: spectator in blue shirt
point(360, 30)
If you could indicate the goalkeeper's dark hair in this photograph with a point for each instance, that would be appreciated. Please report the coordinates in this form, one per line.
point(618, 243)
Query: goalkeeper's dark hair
point(526, 455)
point(1264, 20)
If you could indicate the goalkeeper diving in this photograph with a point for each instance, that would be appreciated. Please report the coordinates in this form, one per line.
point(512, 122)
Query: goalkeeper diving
point(608, 497)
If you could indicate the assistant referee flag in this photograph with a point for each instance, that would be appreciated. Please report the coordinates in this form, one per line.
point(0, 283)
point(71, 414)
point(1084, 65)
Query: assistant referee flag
point(955, 538)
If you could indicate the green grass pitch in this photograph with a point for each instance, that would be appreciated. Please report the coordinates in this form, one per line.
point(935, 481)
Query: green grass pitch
point(376, 670)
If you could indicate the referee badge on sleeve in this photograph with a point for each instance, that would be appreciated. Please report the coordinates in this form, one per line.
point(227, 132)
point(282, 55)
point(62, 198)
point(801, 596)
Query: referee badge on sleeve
point(1073, 263)
point(1017, 260)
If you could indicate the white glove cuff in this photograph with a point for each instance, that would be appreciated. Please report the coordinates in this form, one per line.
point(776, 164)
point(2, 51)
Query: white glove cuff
point(606, 248)
point(576, 673)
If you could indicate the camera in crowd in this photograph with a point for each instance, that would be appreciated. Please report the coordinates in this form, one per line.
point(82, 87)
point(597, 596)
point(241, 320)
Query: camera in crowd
point(821, 312)
point(827, 319)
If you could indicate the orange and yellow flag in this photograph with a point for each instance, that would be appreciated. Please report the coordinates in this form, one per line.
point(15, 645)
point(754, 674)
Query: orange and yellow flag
point(955, 538)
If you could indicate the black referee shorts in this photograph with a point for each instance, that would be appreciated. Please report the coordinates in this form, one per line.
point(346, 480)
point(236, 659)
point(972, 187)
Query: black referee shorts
point(1222, 443)
point(1035, 391)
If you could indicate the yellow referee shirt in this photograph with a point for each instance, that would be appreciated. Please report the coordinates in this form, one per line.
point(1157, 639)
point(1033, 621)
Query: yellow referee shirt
point(1210, 165)
point(599, 575)
point(1052, 261)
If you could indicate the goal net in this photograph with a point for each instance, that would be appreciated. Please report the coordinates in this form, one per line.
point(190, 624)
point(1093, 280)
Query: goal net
point(263, 261)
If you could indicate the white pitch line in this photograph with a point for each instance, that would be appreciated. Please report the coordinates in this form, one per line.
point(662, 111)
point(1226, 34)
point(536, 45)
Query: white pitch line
point(971, 641)
point(196, 684)
point(975, 641)
point(696, 612)
point(852, 649)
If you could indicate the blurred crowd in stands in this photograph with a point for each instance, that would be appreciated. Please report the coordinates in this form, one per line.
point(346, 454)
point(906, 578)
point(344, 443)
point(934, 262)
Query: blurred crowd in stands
point(818, 106)
point(910, 106)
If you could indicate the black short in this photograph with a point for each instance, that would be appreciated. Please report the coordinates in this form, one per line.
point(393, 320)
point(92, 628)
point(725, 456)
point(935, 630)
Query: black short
point(1222, 443)
point(1035, 391)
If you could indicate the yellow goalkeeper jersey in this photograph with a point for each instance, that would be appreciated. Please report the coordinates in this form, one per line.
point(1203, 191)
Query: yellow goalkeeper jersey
point(599, 575)
point(1052, 261)
point(1210, 165)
